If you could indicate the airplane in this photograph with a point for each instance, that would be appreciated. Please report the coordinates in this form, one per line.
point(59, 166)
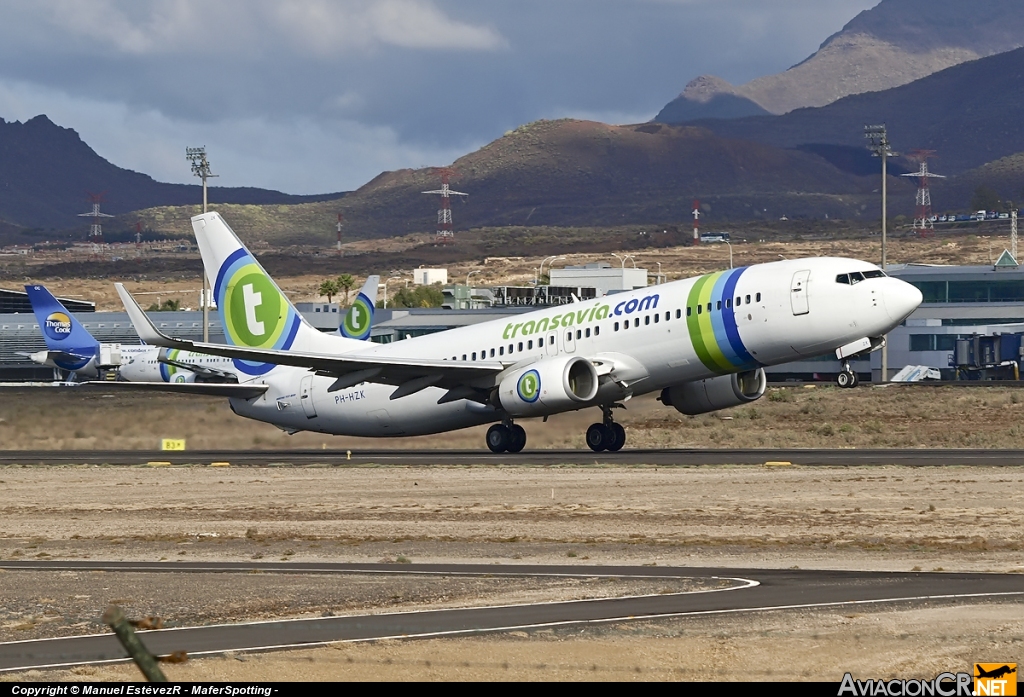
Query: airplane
point(71, 347)
point(700, 343)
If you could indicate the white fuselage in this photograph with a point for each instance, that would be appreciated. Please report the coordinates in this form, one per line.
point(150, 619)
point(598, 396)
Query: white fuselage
point(141, 363)
point(677, 332)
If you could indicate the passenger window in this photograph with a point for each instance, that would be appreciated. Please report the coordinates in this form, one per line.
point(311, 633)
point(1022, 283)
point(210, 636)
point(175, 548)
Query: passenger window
point(718, 305)
point(568, 336)
point(492, 353)
point(758, 297)
point(588, 332)
point(636, 322)
point(739, 301)
point(540, 342)
point(747, 300)
point(709, 307)
point(700, 309)
point(501, 350)
point(728, 302)
point(520, 347)
point(657, 318)
point(463, 356)
point(579, 334)
point(689, 311)
point(597, 331)
point(616, 326)
point(529, 345)
point(625, 325)
point(551, 340)
point(679, 314)
point(668, 315)
point(843, 278)
point(474, 355)
point(511, 349)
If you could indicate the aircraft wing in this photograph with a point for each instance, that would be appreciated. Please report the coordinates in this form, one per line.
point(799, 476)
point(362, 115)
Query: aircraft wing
point(410, 375)
point(52, 356)
point(213, 389)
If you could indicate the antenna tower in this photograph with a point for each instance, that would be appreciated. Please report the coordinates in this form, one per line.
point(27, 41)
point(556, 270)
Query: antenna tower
point(96, 229)
point(340, 225)
point(445, 233)
point(923, 218)
point(696, 221)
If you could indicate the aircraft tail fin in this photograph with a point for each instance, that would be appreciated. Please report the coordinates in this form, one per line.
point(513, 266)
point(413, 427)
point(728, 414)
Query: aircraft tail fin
point(61, 331)
point(253, 309)
point(358, 320)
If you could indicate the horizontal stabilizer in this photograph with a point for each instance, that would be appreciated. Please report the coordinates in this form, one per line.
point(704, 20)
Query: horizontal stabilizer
point(212, 389)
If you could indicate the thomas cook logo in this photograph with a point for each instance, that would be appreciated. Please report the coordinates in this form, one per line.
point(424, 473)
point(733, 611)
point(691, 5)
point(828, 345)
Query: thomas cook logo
point(995, 679)
point(529, 386)
point(57, 326)
point(357, 322)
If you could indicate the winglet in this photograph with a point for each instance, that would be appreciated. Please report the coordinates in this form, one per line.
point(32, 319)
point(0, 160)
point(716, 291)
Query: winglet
point(144, 326)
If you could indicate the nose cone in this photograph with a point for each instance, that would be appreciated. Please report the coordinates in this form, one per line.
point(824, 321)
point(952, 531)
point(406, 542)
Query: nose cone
point(900, 299)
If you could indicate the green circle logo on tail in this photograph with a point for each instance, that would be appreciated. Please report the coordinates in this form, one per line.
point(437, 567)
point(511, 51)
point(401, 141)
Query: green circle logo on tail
point(356, 324)
point(529, 386)
point(254, 309)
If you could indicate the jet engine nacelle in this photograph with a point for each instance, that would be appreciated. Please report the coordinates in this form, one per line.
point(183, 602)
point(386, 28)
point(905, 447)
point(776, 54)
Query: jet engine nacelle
point(548, 386)
point(703, 396)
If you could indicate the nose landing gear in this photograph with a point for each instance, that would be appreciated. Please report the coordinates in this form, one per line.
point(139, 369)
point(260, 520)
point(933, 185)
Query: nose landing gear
point(607, 435)
point(847, 377)
point(506, 437)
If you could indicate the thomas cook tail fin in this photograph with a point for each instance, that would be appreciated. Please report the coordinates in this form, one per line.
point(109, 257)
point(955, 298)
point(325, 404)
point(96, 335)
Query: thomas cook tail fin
point(254, 311)
point(61, 331)
point(358, 320)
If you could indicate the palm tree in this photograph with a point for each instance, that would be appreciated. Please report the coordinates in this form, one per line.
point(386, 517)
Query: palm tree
point(328, 288)
point(345, 282)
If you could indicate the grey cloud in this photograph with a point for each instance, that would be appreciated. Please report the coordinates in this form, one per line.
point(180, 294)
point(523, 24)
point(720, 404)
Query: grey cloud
point(384, 83)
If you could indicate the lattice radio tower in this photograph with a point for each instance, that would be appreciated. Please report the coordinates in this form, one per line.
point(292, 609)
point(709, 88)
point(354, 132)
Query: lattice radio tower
point(96, 229)
point(445, 233)
point(923, 217)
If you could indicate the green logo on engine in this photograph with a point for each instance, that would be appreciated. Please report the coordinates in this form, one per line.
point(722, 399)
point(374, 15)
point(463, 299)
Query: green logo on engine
point(529, 386)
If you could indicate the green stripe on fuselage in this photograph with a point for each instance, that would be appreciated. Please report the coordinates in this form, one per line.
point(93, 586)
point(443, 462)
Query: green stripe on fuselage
point(702, 333)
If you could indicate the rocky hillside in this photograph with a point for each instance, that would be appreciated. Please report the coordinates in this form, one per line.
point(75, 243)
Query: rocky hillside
point(47, 172)
point(970, 114)
point(895, 43)
point(577, 173)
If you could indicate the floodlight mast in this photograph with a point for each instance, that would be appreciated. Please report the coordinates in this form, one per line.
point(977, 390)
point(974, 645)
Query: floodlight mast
point(201, 168)
point(880, 147)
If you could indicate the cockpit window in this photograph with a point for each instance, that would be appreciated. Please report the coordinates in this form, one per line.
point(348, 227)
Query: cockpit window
point(858, 276)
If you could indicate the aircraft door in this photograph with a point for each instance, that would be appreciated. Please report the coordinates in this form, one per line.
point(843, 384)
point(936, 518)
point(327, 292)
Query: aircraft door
point(306, 397)
point(798, 293)
point(552, 345)
point(569, 337)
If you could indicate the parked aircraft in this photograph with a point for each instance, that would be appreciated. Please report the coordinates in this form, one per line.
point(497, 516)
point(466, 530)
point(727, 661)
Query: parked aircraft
point(702, 343)
point(71, 347)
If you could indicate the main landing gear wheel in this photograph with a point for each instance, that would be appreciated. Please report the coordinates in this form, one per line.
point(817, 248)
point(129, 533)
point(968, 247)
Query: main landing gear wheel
point(502, 438)
point(608, 436)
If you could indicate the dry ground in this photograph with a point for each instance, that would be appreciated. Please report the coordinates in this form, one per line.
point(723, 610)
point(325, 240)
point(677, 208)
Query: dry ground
point(676, 262)
point(931, 519)
point(904, 416)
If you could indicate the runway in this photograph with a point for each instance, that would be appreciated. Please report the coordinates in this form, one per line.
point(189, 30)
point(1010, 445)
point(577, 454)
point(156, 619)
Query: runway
point(661, 458)
point(747, 590)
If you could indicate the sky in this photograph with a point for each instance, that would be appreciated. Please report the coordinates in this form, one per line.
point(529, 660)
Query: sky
point(316, 96)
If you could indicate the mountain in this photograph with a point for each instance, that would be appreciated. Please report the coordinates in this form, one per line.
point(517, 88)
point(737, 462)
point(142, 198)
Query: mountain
point(892, 44)
point(582, 173)
point(47, 172)
point(969, 114)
